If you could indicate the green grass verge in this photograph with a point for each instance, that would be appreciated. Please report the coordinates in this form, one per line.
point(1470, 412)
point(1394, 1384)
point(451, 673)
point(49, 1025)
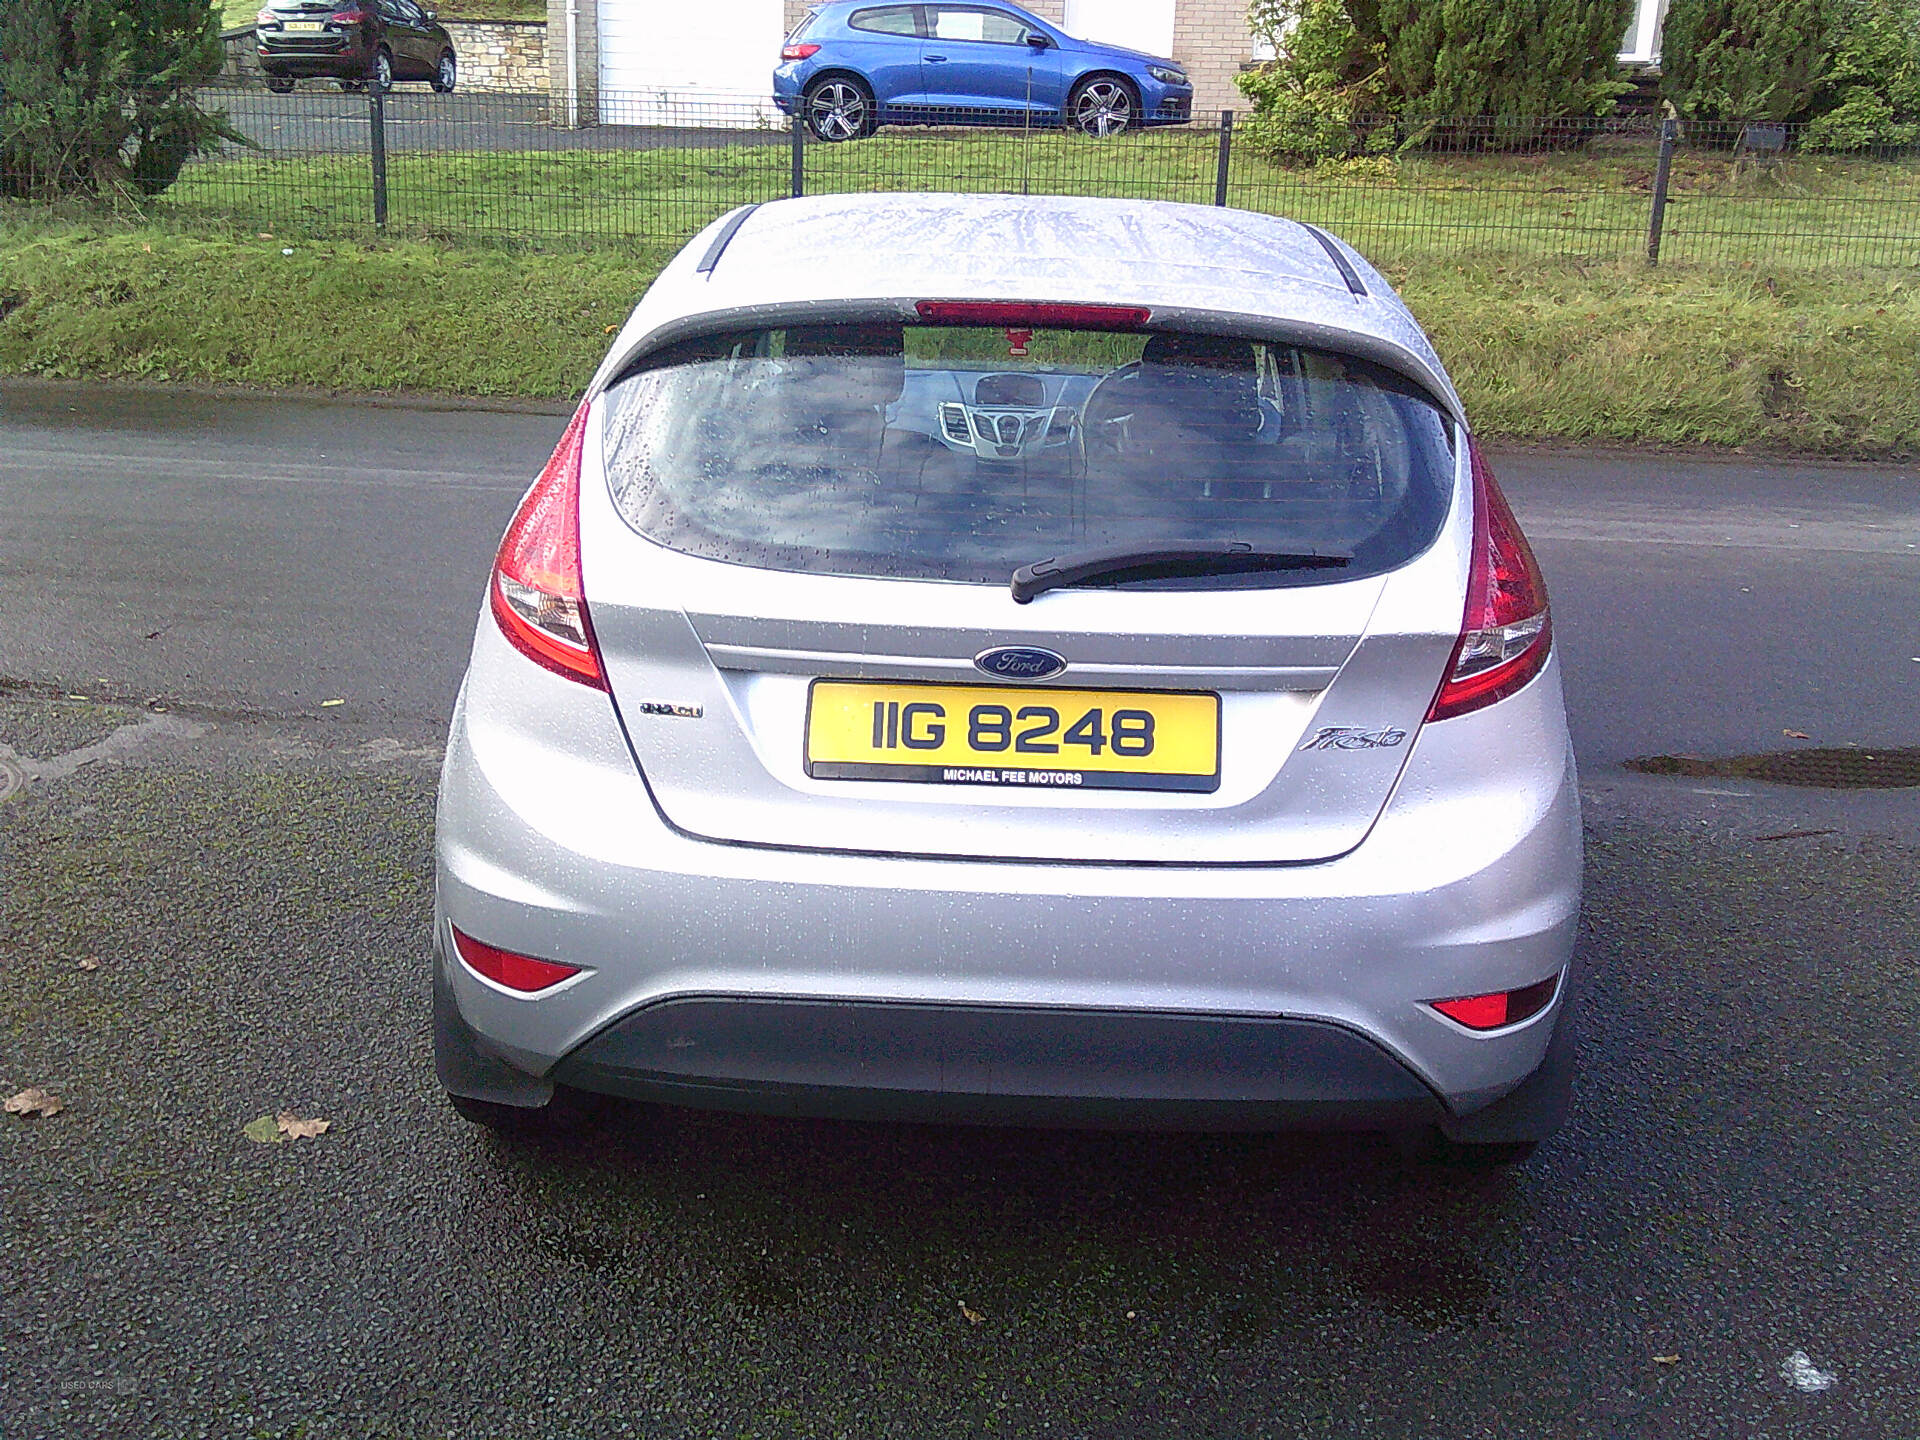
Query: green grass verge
point(1804, 212)
point(1813, 361)
point(86, 300)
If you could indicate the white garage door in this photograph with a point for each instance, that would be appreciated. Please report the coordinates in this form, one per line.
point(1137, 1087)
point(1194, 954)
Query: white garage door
point(1137, 24)
point(688, 62)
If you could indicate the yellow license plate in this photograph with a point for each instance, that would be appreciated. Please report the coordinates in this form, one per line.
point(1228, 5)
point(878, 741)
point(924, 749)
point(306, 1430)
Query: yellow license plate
point(1031, 738)
point(305, 25)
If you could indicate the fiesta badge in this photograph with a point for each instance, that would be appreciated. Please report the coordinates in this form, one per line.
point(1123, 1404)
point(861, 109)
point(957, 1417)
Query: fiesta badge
point(1019, 662)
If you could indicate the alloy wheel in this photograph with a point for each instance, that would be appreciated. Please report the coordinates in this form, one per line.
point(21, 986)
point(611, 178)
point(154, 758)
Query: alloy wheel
point(383, 71)
point(447, 75)
point(1103, 107)
point(837, 110)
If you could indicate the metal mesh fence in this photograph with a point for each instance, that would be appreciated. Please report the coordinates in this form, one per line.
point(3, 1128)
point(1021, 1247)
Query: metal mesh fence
point(651, 169)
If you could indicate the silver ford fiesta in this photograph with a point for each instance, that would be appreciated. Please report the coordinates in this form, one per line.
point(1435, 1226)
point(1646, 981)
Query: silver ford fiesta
point(1056, 661)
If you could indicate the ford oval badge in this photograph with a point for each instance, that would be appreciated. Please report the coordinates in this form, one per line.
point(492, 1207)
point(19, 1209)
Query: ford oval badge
point(1019, 662)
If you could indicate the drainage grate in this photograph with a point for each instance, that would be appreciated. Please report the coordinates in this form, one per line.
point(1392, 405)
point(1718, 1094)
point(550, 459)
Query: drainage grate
point(1831, 769)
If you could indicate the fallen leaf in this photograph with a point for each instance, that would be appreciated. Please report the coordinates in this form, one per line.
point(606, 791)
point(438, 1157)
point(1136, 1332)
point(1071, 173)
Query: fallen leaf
point(76, 697)
point(1796, 734)
point(1666, 1359)
point(610, 329)
point(1130, 1314)
point(973, 1317)
point(147, 248)
point(265, 1130)
point(294, 1128)
point(326, 704)
point(34, 1101)
point(89, 963)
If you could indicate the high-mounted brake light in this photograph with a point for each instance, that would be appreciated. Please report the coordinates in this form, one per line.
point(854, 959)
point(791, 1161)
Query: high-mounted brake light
point(536, 593)
point(1503, 1007)
point(504, 967)
point(1064, 317)
point(798, 52)
point(1506, 631)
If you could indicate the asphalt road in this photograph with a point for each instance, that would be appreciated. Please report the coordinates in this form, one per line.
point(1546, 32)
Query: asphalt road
point(1720, 1245)
point(319, 118)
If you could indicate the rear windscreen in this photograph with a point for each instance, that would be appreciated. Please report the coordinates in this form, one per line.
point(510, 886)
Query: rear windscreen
point(962, 453)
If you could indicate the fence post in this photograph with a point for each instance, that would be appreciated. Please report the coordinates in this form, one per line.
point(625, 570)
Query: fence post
point(377, 124)
point(1226, 156)
point(799, 179)
point(1669, 131)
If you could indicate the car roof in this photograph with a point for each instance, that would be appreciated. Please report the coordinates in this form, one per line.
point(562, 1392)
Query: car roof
point(1194, 266)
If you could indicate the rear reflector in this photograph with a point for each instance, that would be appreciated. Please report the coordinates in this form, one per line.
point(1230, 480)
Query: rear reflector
point(1506, 631)
point(798, 52)
point(503, 967)
point(1503, 1007)
point(1063, 317)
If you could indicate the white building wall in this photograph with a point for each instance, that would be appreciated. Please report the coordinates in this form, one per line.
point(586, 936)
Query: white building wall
point(1137, 24)
point(709, 62)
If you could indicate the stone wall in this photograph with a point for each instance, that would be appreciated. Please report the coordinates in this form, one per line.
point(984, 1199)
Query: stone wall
point(500, 54)
point(493, 54)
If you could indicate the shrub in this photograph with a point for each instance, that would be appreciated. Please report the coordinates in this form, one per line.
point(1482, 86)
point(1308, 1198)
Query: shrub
point(1328, 95)
point(1872, 91)
point(1745, 59)
point(1345, 62)
point(98, 95)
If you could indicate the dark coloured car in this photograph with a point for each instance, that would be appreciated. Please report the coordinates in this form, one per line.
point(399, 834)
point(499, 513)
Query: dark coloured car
point(356, 42)
point(850, 66)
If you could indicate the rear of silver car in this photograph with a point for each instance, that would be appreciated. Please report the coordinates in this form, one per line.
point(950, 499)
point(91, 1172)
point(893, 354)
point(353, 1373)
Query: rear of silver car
point(1057, 710)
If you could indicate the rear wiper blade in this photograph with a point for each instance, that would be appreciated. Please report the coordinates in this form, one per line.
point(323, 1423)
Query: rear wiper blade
point(1115, 564)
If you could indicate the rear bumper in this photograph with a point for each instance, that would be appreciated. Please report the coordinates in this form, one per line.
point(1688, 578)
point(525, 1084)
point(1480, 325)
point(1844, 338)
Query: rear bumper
point(1272, 995)
point(335, 58)
point(895, 1060)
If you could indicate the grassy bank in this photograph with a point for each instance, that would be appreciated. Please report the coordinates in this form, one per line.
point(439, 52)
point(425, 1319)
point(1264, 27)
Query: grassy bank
point(97, 302)
point(1818, 361)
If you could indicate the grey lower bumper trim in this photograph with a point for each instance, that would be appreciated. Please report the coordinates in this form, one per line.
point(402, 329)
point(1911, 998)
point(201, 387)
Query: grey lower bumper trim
point(465, 1066)
point(1000, 1064)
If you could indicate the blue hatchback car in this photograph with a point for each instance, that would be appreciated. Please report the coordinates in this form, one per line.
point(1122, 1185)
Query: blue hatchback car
point(852, 65)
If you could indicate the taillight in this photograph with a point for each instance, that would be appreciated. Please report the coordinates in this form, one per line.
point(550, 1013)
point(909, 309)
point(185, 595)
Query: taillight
point(1506, 633)
point(347, 17)
point(1043, 316)
point(1503, 1007)
point(504, 967)
point(536, 593)
point(797, 52)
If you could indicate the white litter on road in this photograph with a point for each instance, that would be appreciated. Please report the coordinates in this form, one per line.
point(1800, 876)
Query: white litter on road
point(1808, 1378)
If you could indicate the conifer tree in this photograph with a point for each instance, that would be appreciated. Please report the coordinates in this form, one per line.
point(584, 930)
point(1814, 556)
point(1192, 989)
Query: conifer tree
point(96, 95)
point(1431, 60)
point(1746, 59)
point(1541, 59)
